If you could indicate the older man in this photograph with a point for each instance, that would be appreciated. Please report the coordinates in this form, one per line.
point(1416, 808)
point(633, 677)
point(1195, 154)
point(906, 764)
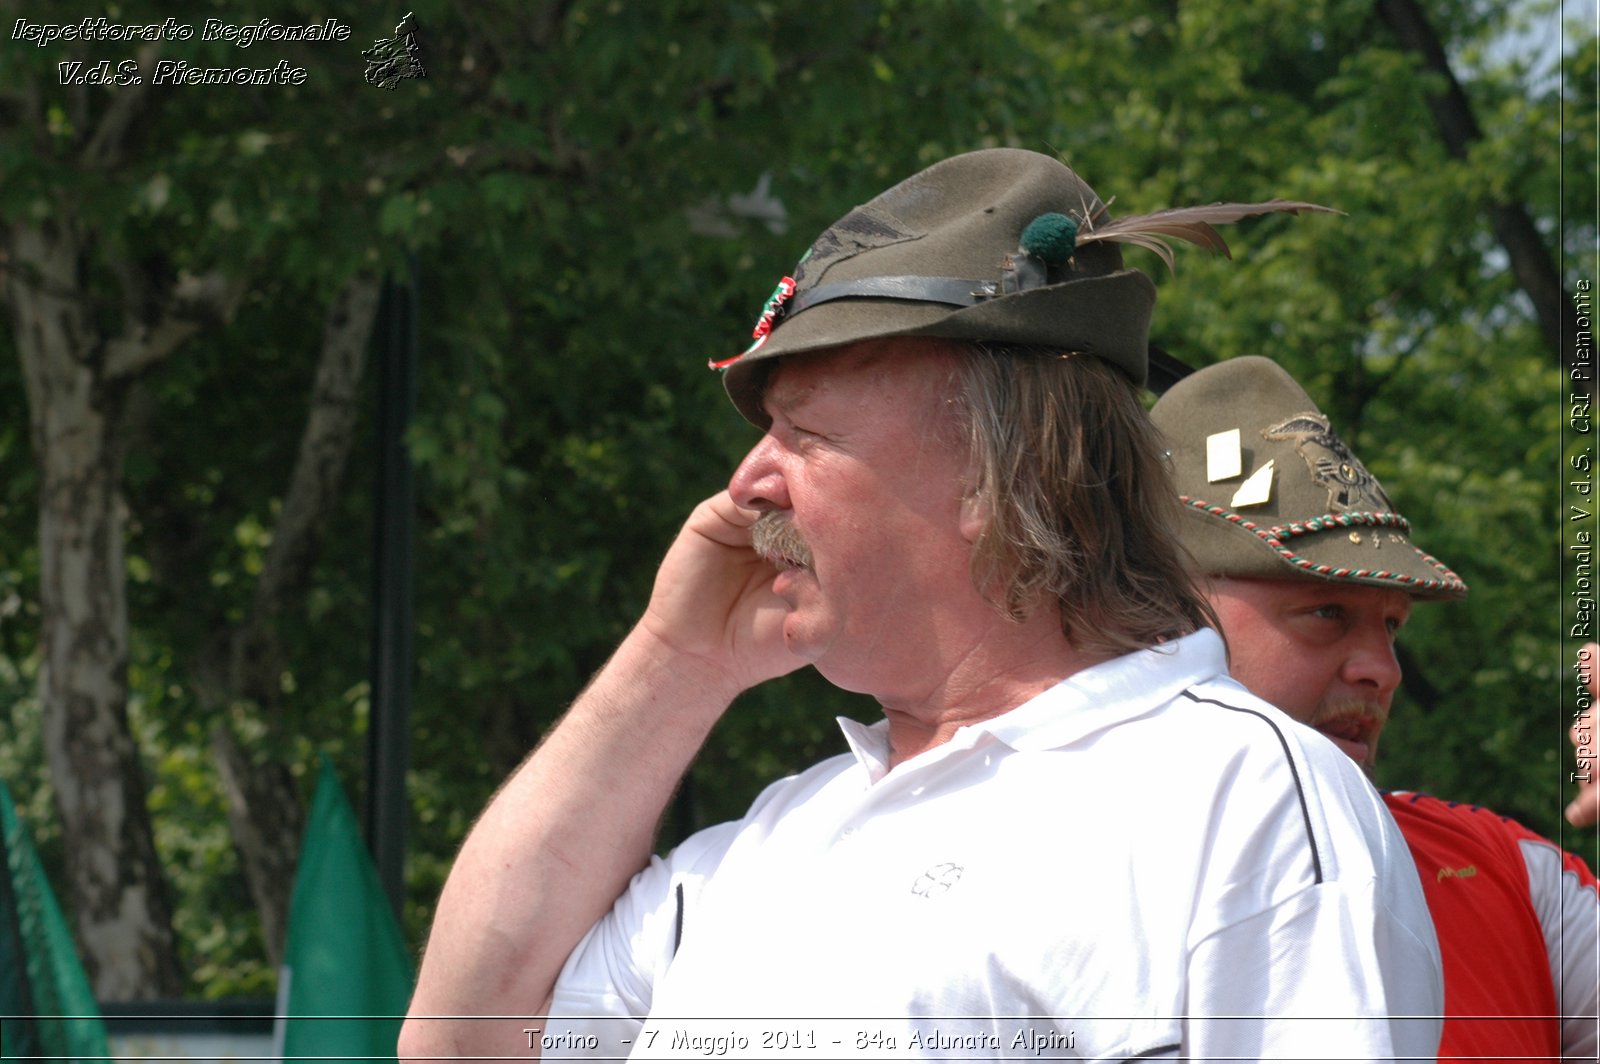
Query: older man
point(1312, 572)
point(959, 508)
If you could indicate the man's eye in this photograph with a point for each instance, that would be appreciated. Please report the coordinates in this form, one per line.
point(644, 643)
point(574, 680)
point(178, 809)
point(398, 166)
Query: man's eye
point(1329, 613)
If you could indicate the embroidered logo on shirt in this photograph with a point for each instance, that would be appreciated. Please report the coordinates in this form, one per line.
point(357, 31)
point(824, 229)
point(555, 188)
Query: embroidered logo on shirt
point(937, 880)
point(1456, 873)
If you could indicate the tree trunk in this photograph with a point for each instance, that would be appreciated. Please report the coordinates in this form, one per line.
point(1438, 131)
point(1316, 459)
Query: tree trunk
point(77, 383)
point(115, 891)
point(264, 819)
point(244, 666)
point(1531, 263)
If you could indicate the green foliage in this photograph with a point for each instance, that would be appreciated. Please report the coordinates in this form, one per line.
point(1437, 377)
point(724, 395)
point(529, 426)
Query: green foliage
point(564, 176)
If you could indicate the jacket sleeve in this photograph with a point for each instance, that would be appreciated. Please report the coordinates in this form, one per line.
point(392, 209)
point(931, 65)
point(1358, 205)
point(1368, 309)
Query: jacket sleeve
point(1564, 895)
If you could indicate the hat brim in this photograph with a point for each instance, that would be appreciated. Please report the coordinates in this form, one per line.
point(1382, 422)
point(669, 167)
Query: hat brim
point(1100, 316)
point(1341, 552)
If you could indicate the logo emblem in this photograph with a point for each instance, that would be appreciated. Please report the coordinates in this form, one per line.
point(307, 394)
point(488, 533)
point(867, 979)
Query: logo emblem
point(1332, 466)
point(937, 880)
point(861, 230)
point(392, 60)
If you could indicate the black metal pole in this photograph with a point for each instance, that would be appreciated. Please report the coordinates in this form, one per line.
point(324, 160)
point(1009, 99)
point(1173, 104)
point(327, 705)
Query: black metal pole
point(393, 591)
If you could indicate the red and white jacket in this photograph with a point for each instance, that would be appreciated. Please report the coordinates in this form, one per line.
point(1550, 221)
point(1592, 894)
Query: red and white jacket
point(1518, 921)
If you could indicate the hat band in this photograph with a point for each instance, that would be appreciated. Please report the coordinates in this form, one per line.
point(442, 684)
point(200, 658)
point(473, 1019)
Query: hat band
point(1275, 535)
point(953, 291)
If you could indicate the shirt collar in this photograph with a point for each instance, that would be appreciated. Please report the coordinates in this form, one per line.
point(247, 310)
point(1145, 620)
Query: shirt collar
point(1088, 701)
point(870, 745)
point(1111, 693)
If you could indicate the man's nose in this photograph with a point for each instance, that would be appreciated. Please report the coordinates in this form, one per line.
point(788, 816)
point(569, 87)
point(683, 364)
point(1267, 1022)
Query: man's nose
point(1372, 664)
point(758, 484)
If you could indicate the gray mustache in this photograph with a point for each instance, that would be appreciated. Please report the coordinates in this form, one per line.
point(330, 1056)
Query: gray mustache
point(777, 540)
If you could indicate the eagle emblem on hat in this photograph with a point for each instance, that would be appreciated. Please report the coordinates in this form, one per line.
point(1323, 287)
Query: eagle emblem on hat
point(1332, 464)
point(861, 230)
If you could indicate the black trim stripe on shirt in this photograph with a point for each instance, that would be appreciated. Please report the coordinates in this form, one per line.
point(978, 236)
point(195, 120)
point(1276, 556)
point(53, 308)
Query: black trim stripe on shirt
point(677, 923)
point(1294, 771)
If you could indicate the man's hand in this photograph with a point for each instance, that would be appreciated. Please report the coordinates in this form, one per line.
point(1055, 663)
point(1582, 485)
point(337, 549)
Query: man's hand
point(713, 598)
point(561, 839)
point(1584, 810)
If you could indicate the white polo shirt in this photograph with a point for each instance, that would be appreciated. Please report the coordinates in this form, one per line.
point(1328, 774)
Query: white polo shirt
point(1143, 861)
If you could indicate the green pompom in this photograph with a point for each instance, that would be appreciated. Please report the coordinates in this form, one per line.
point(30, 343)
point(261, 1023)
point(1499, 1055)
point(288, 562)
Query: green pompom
point(1051, 237)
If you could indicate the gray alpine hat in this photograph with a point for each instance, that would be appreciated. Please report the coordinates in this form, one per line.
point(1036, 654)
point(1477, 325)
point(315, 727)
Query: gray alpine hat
point(1269, 490)
point(1001, 246)
point(942, 254)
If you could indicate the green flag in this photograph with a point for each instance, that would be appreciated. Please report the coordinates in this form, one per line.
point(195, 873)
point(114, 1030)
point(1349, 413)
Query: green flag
point(46, 1006)
point(346, 974)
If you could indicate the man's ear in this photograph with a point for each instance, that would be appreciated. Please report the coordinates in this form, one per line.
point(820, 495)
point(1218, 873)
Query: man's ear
point(975, 515)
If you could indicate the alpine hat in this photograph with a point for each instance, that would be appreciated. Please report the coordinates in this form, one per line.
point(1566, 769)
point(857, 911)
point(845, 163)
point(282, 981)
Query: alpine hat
point(941, 254)
point(1270, 491)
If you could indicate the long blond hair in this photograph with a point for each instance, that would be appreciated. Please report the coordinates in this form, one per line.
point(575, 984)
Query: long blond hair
point(1080, 506)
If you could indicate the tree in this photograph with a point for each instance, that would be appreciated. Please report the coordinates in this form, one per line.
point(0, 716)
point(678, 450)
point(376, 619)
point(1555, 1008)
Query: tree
point(78, 377)
point(99, 298)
